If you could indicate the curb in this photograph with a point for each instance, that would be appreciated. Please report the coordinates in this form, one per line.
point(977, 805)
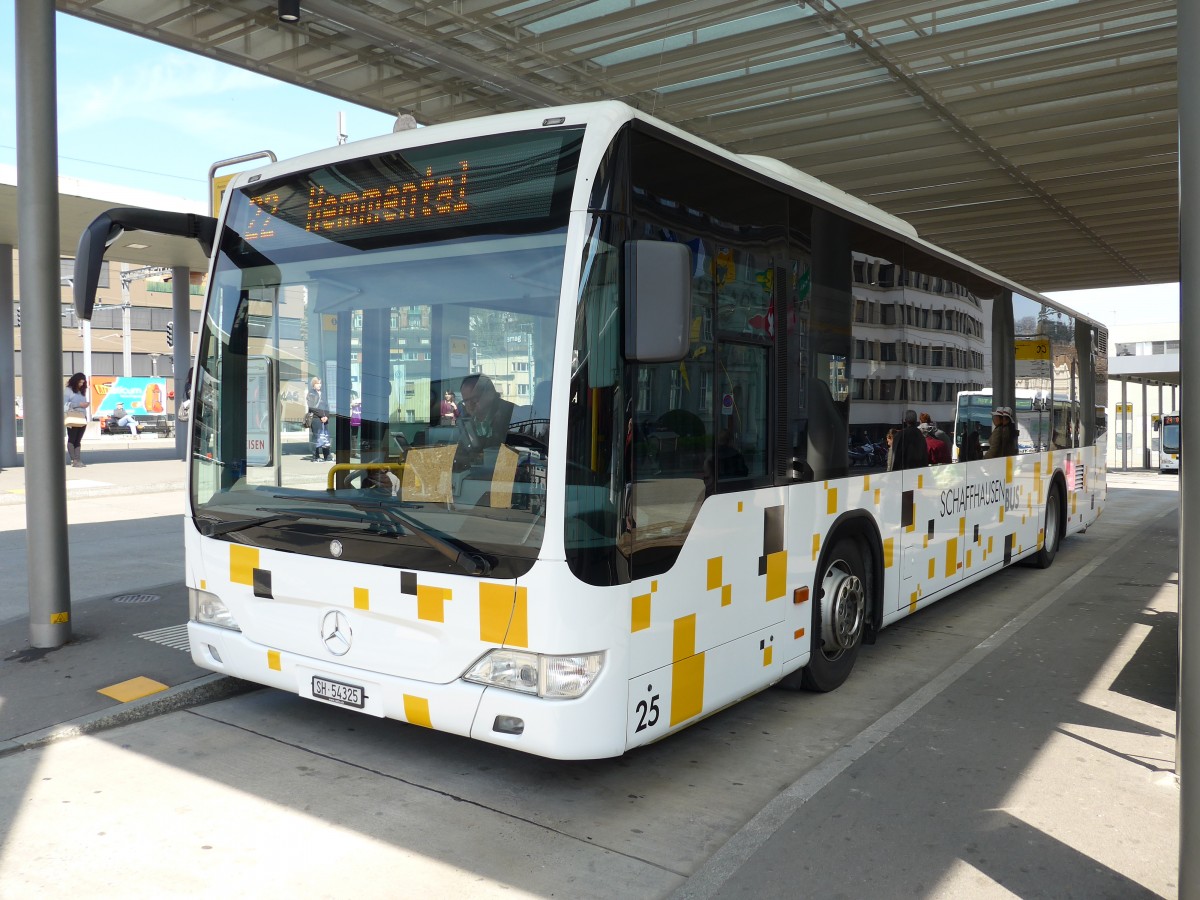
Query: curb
point(206, 689)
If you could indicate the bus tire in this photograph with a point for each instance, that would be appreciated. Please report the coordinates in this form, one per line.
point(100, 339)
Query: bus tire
point(1053, 533)
point(839, 617)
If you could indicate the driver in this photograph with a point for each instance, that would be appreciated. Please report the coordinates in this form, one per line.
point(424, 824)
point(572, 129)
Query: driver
point(488, 414)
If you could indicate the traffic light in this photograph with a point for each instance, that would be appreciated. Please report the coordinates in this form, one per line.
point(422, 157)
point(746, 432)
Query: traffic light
point(170, 334)
point(18, 315)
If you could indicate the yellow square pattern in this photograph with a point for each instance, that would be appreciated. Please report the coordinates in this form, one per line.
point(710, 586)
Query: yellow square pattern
point(640, 620)
point(952, 557)
point(416, 711)
point(431, 603)
point(362, 598)
point(687, 688)
point(243, 561)
point(714, 573)
point(683, 642)
point(496, 602)
point(776, 574)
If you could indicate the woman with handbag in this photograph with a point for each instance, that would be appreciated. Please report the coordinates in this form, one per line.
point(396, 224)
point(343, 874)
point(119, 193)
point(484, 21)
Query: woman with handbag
point(318, 421)
point(77, 410)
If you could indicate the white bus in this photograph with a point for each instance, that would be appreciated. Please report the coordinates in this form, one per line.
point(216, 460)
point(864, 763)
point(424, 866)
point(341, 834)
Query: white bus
point(1168, 444)
point(645, 512)
point(1042, 423)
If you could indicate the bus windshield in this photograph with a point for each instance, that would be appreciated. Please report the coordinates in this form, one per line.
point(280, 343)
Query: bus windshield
point(375, 358)
point(1170, 434)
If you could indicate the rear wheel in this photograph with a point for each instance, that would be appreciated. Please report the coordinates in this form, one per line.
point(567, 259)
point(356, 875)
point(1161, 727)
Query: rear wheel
point(839, 616)
point(1045, 556)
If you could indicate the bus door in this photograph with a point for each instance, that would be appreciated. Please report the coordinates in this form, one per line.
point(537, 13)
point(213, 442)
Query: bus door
point(989, 486)
point(933, 533)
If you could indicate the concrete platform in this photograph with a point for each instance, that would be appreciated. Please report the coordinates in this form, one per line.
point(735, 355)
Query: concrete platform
point(1040, 763)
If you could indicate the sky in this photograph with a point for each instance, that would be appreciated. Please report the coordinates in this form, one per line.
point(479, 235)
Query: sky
point(155, 118)
point(137, 113)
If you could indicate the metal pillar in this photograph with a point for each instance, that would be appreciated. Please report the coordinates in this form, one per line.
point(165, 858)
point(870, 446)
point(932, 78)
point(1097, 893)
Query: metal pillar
point(1188, 718)
point(1145, 438)
point(48, 561)
point(87, 349)
point(126, 333)
point(8, 372)
point(181, 316)
point(1122, 423)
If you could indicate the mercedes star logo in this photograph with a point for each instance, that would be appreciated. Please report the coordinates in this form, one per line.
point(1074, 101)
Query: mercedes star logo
point(336, 632)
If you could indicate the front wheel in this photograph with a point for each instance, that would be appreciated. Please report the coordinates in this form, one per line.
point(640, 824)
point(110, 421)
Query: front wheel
point(1045, 556)
point(839, 616)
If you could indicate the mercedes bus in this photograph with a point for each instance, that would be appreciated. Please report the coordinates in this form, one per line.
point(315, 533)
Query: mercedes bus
point(644, 511)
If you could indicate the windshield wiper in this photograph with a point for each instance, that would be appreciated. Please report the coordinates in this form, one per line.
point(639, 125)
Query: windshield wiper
point(470, 561)
point(213, 527)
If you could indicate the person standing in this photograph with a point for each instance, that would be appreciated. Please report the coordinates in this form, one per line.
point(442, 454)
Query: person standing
point(938, 432)
point(77, 411)
point(449, 410)
point(971, 448)
point(909, 450)
point(318, 426)
point(1003, 439)
point(939, 450)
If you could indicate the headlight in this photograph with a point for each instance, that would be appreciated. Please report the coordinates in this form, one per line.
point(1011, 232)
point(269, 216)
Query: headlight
point(552, 677)
point(210, 609)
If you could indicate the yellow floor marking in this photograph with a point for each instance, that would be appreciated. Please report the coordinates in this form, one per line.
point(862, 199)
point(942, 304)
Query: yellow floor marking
point(133, 689)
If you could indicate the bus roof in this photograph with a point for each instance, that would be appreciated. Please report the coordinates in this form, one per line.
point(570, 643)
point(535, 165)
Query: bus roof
point(609, 116)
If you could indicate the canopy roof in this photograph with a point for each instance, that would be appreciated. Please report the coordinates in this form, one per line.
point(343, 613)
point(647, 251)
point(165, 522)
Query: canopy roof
point(1035, 137)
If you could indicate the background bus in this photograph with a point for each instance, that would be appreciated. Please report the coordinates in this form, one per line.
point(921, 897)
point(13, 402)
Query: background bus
point(1168, 444)
point(645, 510)
point(1042, 424)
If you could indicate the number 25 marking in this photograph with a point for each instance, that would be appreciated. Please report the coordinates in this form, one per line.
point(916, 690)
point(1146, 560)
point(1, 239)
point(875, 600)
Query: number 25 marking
point(644, 709)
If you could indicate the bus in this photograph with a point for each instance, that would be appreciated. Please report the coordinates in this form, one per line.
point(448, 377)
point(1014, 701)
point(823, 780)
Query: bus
point(643, 509)
point(1168, 446)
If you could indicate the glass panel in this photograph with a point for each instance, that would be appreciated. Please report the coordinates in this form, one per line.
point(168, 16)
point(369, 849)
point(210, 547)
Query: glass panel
point(1047, 373)
point(419, 335)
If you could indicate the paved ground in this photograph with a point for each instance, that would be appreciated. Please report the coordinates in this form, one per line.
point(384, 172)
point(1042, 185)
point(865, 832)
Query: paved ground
point(1037, 764)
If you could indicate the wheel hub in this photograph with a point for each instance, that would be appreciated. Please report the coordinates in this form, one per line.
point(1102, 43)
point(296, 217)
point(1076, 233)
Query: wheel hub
point(843, 608)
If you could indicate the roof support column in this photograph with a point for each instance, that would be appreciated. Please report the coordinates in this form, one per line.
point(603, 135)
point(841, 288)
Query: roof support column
point(8, 372)
point(1188, 718)
point(41, 326)
point(1123, 423)
point(181, 320)
point(1145, 436)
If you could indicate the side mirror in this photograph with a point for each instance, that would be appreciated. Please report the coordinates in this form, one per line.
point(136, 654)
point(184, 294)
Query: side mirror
point(658, 301)
point(110, 225)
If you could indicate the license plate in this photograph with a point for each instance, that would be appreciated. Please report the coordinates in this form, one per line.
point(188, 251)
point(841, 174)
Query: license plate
point(338, 692)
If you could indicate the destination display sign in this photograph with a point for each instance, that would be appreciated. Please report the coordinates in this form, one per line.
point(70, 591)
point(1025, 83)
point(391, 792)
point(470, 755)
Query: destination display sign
point(460, 185)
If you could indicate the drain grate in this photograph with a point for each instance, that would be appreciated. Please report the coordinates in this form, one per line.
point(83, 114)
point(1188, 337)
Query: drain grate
point(174, 636)
point(136, 598)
